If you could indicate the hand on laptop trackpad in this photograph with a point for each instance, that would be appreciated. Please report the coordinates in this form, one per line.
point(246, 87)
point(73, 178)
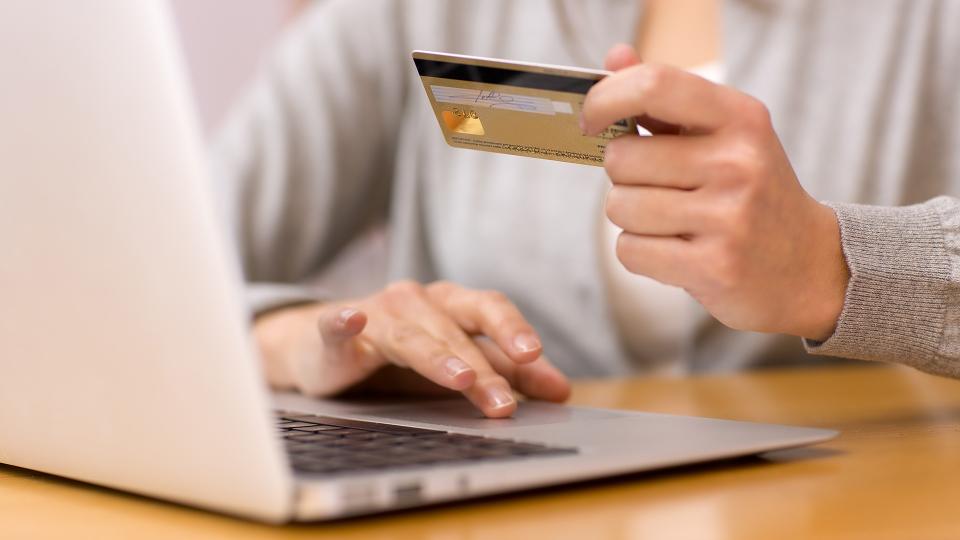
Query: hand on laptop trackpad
point(464, 415)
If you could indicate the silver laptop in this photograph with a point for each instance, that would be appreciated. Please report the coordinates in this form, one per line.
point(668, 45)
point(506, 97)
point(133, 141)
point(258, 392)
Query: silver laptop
point(125, 355)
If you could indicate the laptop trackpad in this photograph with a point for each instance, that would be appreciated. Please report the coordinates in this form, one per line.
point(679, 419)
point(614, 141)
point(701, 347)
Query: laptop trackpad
point(462, 414)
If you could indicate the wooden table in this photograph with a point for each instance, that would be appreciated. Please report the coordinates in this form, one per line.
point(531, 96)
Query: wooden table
point(893, 473)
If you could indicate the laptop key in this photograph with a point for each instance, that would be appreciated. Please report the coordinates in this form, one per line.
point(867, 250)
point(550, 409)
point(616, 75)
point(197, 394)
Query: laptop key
point(337, 446)
point(534, 449)
point(316, 427)
point(338, 432)
point(313, 437)
point(297, 425)
point(359, 424)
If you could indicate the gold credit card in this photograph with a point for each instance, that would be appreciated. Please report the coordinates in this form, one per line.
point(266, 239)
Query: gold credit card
point(516, 108)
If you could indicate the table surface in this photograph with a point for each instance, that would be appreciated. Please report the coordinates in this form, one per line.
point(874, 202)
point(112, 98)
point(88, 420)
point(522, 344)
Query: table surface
point(894, 472)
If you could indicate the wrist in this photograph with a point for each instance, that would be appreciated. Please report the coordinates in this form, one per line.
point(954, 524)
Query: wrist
point(827, 279)
point(280, 334)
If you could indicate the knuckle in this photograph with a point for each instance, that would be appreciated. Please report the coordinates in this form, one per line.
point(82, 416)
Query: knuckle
point(625, 254)
point(496, 298)
point(437, 355)
point(739, 161)
point(650, 78)
point(726, 215)
point(738, 235)
point(403, 289)
point(405, 286)
point(743, 215)
point(492, 379)
point(728, 166)
point(616, 205)
point(626, 206)
point(404, 333)
point(613, 159)
point(442, 287)
point(755, 114)
point(506, 326)
point(737, 215)
point(459, 341)
point(713, 216)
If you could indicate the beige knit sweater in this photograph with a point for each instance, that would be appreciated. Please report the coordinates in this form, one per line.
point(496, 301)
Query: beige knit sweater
point(336, 133)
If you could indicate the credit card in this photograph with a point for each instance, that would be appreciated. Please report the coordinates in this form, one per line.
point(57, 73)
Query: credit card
point(516, 108)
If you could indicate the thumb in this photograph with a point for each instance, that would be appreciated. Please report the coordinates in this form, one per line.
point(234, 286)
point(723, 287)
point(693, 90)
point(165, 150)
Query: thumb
point(339, 325)
point(622, 56)
point(345, 359)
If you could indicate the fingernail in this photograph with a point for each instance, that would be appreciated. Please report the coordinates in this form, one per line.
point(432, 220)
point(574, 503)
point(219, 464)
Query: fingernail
point(455, 366)
point(499, 398)
point(526, 343)
point(346, 315)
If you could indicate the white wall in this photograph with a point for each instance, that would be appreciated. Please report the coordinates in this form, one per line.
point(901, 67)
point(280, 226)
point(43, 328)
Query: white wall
point(224, 41)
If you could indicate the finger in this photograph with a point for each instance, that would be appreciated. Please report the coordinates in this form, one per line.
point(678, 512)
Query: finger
point(414, 314)
point(408, 344)
point(665, 259)
point(620, 56)
point(344, 358)
point(343, 350)
point(538, 379)
point(492, 314)
point(393, 380)
point(665, 93)
point(492, 393)
point(666, 160)
point(654, 211)
point(340, 325)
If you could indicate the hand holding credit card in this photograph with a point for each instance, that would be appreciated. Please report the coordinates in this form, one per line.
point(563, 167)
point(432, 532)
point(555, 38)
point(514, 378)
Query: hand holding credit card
point(517, 108)
point(713, 207)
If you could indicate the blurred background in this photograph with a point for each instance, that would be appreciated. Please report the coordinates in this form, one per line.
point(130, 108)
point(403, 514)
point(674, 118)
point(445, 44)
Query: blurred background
point(225, 44)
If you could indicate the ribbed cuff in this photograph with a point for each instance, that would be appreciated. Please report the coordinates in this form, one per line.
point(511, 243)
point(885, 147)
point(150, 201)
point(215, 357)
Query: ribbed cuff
point(899, 275)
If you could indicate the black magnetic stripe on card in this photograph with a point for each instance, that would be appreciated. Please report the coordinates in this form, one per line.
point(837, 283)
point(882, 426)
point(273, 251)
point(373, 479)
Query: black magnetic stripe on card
point(508, 77)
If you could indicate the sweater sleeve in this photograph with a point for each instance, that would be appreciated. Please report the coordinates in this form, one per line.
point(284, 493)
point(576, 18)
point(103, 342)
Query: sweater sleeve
point(903, 301)
point(304, 163)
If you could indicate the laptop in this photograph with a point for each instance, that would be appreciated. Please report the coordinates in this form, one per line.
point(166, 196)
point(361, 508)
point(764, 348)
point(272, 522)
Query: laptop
point(125, 352)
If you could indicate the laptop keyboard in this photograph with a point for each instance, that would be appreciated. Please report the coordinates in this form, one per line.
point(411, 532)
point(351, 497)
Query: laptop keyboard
point(323, 445)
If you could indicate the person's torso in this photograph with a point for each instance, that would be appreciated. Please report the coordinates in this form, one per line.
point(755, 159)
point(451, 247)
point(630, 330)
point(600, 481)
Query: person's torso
point(856, 91)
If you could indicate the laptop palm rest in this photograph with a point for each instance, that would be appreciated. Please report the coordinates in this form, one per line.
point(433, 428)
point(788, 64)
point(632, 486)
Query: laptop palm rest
point(447, 413)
